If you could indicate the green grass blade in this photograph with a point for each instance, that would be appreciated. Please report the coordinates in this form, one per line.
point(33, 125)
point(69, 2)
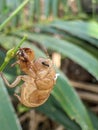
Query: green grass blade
point(8, 119)
point(53, 110)
point(71, 103)
point(37, 8)
point(47, 7)
point(81, 43)
point(55, 7)
point(86, 31)
point(94, 119)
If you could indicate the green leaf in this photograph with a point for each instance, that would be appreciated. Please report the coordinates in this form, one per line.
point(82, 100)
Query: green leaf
point(55, 7)
point(8, 68)
point(70, 102)
point(84, 30)
point(94, 119)
point(47, 7)
point(2, 5)
point(31, 7)
point(81, 43)
point(53, 110)
point(8, 119)
point(37, 8)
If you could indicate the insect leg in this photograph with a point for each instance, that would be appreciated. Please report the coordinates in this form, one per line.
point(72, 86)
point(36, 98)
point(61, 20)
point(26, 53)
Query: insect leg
point(16, 95)
point(17, 80)
point(17, 62)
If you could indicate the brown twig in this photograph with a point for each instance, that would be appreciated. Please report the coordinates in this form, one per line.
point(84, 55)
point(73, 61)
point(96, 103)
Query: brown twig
point(91, 92)
point(60, 127)
point(24, 117)
point(85, 86)
point(95, 109)
point(90, 97)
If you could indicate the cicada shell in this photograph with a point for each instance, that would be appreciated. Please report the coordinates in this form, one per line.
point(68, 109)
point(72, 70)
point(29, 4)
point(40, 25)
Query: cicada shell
point(39, 78)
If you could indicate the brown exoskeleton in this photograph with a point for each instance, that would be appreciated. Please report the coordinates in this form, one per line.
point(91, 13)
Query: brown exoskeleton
point(39, 79)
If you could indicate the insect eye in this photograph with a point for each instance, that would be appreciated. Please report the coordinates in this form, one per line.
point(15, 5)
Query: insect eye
point(45, 64)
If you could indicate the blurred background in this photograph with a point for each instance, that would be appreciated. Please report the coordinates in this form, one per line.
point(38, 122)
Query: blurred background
point(69, 31)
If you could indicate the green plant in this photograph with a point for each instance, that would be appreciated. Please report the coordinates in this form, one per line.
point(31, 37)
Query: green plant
point(78, 41)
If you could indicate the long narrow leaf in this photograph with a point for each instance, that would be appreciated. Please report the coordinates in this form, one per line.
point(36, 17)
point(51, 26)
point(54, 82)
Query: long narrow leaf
point(53, 110)
point(47, 7)
point(82, 43)
point(94, 119)
point(8, 119)
point(83, 30)
point(55, 7)
point(71, 103)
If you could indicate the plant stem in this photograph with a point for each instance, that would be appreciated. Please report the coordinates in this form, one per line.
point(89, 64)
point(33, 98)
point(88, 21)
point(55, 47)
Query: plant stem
point(21, 42)
point(13, 14)
point(10, 54)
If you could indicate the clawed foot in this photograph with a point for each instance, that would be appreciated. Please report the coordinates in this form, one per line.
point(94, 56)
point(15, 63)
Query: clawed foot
point(14, 64)
point(16, 95)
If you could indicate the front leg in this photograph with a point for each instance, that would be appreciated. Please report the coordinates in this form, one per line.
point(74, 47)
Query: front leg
point(15, 63)
point(16, 95)
point(12, 85)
